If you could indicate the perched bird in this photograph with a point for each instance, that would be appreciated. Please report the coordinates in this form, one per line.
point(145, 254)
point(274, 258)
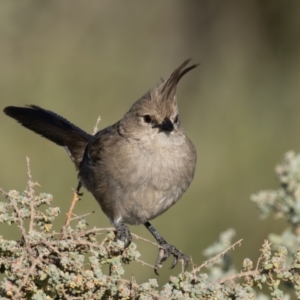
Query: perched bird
point(137, 168)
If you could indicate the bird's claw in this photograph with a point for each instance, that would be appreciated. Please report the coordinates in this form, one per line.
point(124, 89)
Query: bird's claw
point(165, 251)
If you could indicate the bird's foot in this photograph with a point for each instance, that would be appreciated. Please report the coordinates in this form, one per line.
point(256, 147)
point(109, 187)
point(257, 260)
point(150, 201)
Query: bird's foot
point(123, 234)
point(165, 251)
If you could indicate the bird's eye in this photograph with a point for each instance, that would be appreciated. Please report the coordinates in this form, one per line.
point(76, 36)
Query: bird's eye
point(147, 118)
point(176, 119)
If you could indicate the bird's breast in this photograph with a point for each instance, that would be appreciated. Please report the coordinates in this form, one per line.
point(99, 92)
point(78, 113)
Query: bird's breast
point(135, 182)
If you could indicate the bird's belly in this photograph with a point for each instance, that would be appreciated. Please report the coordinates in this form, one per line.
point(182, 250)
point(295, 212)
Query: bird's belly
point(149, 191)
point(141, 188)
point(143, 204)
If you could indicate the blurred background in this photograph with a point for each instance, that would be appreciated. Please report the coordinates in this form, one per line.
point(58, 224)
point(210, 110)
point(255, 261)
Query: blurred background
point(240, 107)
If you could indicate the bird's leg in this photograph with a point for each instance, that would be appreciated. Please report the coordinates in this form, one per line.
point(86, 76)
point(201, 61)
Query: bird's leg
point(78, 189)
point(166, 250)
point(123, 234)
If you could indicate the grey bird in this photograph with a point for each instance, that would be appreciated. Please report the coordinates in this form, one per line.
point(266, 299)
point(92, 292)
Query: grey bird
point(137, 168)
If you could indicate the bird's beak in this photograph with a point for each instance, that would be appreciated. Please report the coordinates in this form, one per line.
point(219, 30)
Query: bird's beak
point(166, 125)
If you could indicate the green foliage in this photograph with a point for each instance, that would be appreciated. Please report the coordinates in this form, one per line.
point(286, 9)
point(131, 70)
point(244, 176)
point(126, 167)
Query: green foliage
point(45, 264)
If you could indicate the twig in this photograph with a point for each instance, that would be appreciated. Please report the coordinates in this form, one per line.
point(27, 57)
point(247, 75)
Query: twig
point(70, 213)
point(30, 272)
point(137, 237)
point(28, 168)
point(31, 194)
point(215, 258)
point(239, 275)
point(132, 290)
point(144, 263)
point(96, 230)
point(254, 273)
point(95, 130)
point(81, 216)
point(257, 264)
point(21, 222)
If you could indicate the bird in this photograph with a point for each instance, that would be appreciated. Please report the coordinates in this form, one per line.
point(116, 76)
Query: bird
point(137, 168)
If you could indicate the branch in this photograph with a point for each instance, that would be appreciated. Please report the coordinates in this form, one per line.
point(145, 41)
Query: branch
point(215, 258)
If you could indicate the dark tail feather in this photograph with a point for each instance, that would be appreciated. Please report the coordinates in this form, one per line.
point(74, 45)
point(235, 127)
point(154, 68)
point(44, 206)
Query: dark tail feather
point(53, 127)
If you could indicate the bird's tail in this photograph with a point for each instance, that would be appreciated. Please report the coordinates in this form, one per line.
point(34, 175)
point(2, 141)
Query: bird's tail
point(53, 127)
